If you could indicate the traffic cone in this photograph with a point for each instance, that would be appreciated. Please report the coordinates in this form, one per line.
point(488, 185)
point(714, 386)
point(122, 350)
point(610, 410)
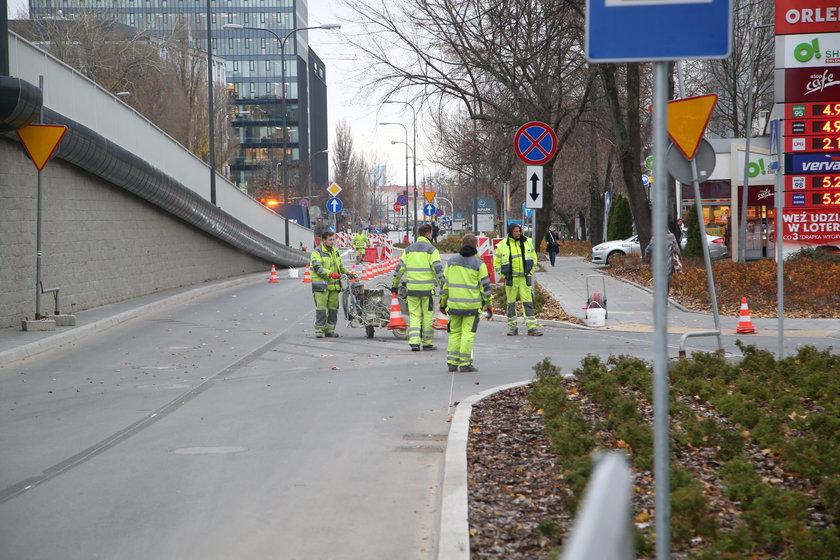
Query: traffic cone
point(397, 321)
point(307, 279)
point(745, 325)
point(272, 279)
point(441, 321)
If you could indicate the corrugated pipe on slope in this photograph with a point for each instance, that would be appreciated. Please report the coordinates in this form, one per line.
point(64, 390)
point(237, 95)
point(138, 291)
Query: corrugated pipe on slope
point(95, 154)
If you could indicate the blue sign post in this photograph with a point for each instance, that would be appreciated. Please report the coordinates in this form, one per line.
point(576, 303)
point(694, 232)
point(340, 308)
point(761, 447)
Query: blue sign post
point(674, 30)
point(429, 210)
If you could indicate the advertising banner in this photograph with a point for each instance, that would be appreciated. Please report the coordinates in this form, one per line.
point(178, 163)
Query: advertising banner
point(812, 163)
point(810, 226)
point(807, 16)
point(811, 84)
point(807, 51)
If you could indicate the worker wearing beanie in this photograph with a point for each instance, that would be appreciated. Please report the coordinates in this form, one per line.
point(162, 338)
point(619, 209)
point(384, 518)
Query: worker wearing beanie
point(516, 260)
point(465, 293)
point(421, 266)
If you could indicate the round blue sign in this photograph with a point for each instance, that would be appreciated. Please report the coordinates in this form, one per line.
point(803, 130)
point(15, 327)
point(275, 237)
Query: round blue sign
point(334, 205)
point(429, 209)
point(402, 200)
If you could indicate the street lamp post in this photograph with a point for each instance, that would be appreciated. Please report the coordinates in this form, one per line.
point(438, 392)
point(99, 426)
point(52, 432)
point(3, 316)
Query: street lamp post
point(311, 159)
point(406, 171)
point(414, 155)
point(211, 117)
point(285, 127)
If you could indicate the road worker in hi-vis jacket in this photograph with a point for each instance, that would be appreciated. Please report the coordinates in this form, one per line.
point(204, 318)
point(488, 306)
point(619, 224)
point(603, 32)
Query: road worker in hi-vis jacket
point(421, 266)
point(465, 293)
point(326, 268)
point(360, 241)
point(516, 260)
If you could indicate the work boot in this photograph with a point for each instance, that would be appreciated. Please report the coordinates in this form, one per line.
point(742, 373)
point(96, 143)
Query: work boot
point(429, 347)
point(452, 368)
point(331, 335)
point(319, 335)
point(468, 369)
point(513, 332)
point(535, 332)
point(415, 347)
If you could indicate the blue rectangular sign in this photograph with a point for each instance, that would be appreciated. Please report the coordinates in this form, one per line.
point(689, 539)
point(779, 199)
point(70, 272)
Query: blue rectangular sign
point(812, 163)
point(647, 30)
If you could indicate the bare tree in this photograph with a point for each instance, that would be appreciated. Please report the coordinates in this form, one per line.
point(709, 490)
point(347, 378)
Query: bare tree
point(728, 77)
point(167, 78)
point(506, 63)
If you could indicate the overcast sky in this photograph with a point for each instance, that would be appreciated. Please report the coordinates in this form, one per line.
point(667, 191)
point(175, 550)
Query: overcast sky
point(344, 102)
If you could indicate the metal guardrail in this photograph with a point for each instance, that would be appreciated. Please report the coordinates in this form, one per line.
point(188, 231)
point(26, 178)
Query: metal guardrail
point(604, 525)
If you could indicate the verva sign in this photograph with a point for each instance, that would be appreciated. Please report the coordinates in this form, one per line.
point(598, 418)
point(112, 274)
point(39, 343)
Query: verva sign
point(807, 16)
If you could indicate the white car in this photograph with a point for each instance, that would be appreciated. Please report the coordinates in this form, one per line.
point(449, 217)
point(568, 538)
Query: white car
point(603, 253)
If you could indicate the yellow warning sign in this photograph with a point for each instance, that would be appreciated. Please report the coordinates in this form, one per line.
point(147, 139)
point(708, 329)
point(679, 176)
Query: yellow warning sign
point(40, 141)
point(687, 120)
point(430, 196)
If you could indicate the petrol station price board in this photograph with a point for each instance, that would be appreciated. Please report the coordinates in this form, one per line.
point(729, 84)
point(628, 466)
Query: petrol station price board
point(811, 110)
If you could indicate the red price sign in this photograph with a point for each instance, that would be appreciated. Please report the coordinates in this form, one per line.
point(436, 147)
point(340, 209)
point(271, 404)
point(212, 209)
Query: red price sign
point(807, 182)
point(812, 143)
point(812, 127)
point(812, 110)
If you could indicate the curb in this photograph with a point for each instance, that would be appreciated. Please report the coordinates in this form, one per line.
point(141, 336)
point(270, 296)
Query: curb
point(77, 333)
point(454, 534)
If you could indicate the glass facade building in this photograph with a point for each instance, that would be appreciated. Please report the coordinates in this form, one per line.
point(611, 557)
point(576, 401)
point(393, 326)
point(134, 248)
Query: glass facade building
point(253, 74)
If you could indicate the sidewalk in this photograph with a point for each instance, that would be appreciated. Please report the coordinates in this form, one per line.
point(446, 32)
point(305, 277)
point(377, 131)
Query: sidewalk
point(630, 307)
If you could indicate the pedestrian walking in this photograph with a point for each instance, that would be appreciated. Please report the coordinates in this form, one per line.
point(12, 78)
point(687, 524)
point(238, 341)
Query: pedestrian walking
point(516, 260)
point(326, 268)
point(465, 292)
point(421, 266)
point(552, 243)
point(435, 232)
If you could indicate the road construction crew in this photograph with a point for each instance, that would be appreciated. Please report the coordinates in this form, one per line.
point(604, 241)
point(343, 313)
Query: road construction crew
point(326, 268)
point(516, 260)
point(465, 292)
point(360, 241)
point(423, 270)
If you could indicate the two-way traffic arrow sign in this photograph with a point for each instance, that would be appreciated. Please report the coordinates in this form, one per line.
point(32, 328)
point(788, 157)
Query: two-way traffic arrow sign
point(534, 186)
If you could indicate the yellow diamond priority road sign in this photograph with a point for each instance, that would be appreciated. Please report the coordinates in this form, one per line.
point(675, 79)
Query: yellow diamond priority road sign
point(334, 189)
point(40, 141)
point(687, 120)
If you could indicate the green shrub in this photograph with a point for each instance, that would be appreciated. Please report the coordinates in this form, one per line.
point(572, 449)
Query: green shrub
point(693, 244)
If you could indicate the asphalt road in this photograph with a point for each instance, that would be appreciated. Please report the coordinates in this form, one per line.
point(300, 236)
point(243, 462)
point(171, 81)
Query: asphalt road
point(221, 428)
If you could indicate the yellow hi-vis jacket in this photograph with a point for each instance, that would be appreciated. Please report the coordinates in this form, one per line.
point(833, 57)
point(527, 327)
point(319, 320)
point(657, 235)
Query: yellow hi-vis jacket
point(467, 287)
point(321, 266)
point(515, 258)
point(422, 268)
point(360, 240)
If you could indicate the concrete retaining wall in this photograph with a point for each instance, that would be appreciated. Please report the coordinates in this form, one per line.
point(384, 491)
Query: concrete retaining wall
point(100, 243)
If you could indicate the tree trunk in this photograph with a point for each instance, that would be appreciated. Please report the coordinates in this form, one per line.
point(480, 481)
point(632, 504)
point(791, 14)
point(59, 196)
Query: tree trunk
point(627, 132)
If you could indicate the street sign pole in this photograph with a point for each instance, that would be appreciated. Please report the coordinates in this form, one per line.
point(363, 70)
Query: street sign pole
point(661, 459)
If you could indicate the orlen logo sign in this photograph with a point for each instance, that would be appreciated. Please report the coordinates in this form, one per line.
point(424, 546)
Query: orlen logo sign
point(807, 16)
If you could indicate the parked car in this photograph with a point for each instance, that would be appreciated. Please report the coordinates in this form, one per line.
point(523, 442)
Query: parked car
point(603, 253)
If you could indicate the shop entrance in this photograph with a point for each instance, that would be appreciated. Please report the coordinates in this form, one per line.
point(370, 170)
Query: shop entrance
point(759, 243)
